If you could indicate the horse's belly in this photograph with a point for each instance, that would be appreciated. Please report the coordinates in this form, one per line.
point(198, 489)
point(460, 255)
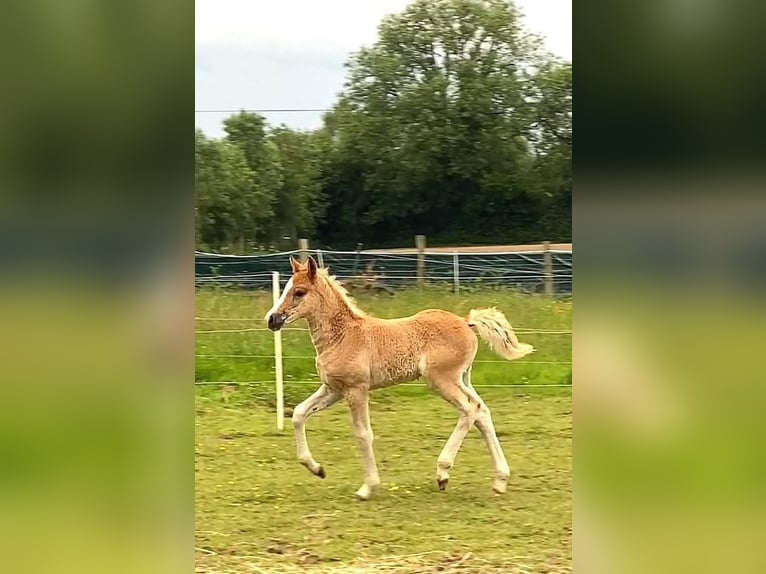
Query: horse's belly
point(392, 374)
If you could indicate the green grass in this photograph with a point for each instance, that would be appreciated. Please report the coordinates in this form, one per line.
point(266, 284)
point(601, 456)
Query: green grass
point(217, 358)
point(258, 510)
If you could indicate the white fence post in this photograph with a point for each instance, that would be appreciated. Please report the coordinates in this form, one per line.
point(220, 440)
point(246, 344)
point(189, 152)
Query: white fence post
point(320, 258)
point(456, 271)
point(278, 357)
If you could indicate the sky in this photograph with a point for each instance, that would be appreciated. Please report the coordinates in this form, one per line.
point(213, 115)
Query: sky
point(262, 54)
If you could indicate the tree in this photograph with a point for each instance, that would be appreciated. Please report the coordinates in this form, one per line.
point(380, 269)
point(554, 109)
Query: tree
point(229, 208)
point(455, 123)
point(247, 131)
point(435, 131)
point(299, 204)
point(553, 161)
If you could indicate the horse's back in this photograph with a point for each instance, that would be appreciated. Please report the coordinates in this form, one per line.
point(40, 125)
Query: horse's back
point(442, 322)
point(430, 325)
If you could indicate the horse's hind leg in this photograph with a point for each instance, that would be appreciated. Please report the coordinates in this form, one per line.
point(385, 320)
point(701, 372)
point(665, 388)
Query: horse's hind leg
point(447, 386)
point(487, 428)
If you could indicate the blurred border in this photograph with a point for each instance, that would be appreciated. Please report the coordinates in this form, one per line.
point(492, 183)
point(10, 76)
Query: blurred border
point(670, 236)
point(96, 289)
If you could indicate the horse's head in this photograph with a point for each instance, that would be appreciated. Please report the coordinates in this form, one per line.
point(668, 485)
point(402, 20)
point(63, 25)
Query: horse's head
point(299, 297)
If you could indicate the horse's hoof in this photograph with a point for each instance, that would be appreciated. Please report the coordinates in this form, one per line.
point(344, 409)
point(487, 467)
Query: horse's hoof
point(321, 473)
point(499, 486)
point(442, 482)
point(364, 493)
point(501, 481)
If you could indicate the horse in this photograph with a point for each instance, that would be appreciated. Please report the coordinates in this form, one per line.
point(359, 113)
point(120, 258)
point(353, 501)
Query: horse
point(357, 353)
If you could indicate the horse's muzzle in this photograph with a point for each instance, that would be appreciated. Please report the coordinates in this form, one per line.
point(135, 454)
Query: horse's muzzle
point(276, 320)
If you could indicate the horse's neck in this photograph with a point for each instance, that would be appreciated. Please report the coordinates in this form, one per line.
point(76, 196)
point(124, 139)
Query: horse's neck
point(331, 326)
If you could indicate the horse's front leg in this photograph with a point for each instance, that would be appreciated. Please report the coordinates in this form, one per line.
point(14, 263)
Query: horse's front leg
point(358, 402)
point(323, 398)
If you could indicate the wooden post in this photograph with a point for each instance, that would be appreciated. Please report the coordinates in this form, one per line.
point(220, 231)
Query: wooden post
point(303, 250)
point(548, 268)
point(356, 259)
point(456, 271)
point(275, 291)
point(420, 243)
point(320, 258)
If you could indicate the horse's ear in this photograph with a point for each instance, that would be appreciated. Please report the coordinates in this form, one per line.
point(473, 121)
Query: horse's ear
point(311, 267)
point(295, 265)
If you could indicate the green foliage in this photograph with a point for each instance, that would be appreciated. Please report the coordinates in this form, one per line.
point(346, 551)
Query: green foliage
point(454, 124)
point(299, 203)
point(248, 133)
point(229, 203)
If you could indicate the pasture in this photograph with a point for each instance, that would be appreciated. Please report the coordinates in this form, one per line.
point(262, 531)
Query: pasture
point(258, 510)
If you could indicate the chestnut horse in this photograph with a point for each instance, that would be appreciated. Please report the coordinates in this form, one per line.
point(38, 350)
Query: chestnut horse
point(357, 353)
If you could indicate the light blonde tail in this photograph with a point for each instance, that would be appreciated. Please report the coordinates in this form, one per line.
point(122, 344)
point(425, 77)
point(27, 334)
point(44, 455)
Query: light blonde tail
point(495, 329)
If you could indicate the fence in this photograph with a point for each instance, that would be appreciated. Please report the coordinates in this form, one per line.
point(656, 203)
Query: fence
point(536, 271)
point(532, 270)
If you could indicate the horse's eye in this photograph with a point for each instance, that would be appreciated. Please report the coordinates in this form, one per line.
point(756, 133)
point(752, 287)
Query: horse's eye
point(300, 292)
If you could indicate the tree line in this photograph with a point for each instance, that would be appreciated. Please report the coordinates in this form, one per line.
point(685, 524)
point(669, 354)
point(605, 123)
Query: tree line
point(455, 124)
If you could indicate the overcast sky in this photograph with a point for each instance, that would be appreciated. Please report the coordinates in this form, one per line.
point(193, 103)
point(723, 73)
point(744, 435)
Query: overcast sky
point(258, 54)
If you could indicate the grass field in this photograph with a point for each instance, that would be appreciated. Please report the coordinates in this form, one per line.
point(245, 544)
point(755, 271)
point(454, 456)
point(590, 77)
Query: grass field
point(258, 510)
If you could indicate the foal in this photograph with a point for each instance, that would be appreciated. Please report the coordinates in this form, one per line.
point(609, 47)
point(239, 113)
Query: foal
point(357, 353)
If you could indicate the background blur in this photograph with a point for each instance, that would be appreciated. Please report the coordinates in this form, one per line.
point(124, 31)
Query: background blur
point(96, 196)
point(669, 221)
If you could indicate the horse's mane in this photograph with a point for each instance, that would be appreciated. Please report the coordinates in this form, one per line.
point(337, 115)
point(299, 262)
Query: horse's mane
point(336, 286)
